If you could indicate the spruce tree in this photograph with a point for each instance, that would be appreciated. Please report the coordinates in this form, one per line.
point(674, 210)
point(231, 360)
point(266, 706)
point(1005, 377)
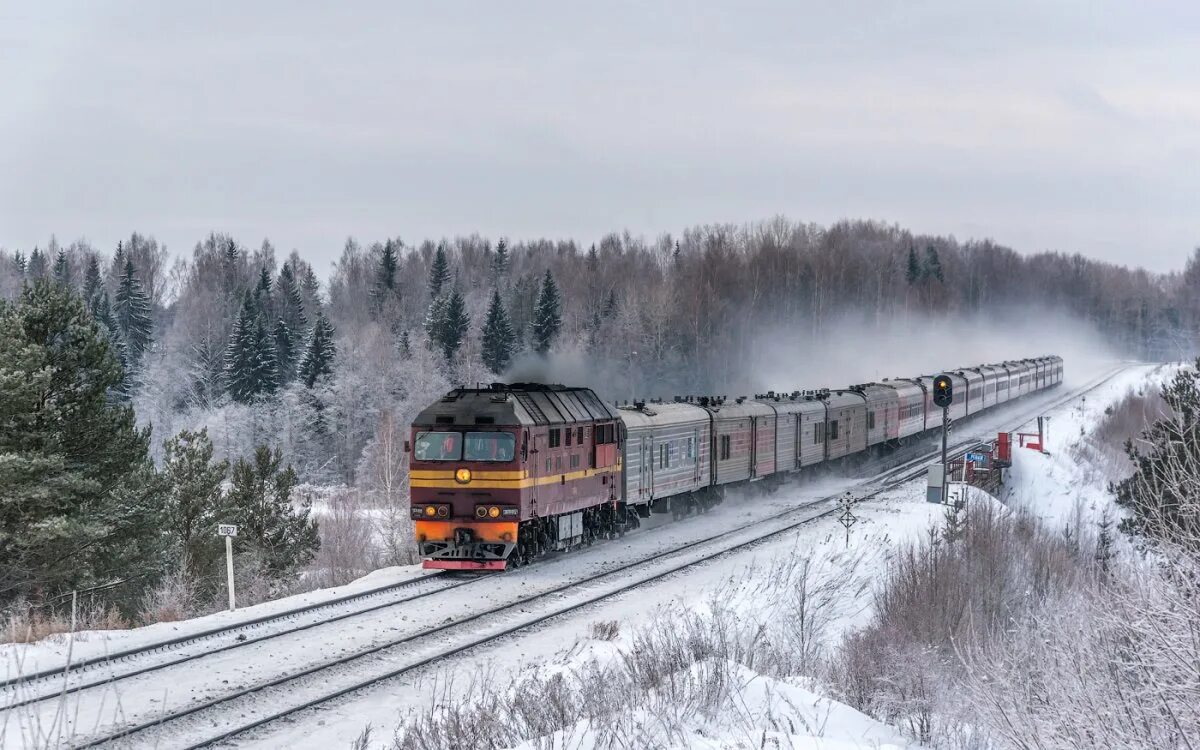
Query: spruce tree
point(455, 325)
point(439, 272)
point(547, 319)
point(385, 274)
point(284, 537)
point(79, 504)
point(266, 364)
point(37, 264)
point(499, 341)
point(912, 273)
point(132, 310)
point(285, 352)
point(933, 264)
point(19, 262)
point(291, 303)
point(435, 320)
point(262, 292)
point(91, 282)
point(319, 354)
point(404, 345)
point(62, 269)
point(610, 306)
point(500, 259)
point(240, 354)
point(193, 505)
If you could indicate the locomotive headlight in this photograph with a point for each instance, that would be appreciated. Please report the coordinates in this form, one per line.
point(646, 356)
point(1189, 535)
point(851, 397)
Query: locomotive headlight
point(462, 476)
point(493, 512)
point(430, 511)
point(481, 511)
point(443, 511)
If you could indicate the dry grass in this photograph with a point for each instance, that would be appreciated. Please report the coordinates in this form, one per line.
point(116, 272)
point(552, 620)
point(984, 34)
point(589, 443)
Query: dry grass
point(1123, 421)
point(23, 623)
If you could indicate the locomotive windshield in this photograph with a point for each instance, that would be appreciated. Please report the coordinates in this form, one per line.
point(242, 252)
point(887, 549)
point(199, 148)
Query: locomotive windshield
point(438, 446)
point(479, 446)
point(490, 446)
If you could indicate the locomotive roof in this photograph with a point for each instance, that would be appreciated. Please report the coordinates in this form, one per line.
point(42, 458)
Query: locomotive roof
point(518, 403)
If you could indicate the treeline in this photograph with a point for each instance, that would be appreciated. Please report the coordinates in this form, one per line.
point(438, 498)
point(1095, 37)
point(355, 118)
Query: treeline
point(258, 350)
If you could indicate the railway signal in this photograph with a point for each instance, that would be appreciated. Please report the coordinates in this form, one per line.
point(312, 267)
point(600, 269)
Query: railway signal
point(943, 396)
point(943, 391)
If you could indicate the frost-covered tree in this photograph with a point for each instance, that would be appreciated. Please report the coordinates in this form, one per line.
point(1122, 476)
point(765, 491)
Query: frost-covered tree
point(80, 503)
point(319, 354)
point(92, 282)
point(131, 308)
point(933, 264)
point(499, 341)
point(548, 316)
point(291, 302)
point(447, 322)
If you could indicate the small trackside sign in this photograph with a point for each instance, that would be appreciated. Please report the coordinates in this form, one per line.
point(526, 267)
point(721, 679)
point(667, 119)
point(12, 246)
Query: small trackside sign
point(226, 529)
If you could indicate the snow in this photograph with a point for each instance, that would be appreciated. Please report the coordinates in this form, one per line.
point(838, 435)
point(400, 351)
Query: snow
point(17, 659)
point(1057, 486)
point(773, 711)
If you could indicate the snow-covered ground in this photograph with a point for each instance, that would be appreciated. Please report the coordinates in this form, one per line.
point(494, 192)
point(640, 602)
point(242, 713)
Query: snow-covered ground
point(777, 712)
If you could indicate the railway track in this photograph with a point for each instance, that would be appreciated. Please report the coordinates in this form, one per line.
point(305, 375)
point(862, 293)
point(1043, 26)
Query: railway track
point(14, 692)
point(319, 684)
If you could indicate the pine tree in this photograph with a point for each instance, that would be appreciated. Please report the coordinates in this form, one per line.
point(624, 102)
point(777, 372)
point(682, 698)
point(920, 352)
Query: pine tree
point(79, 501)
point(37, 264)
point(933, 264)
point(547, 318)
point(593, 261)
point(193, 504)
point(912, 273)
point(19, 262)
point(439, 272)
point(499, 341)
point(284, 537)
point(435, 320)
point(285, 352)
point(404, 345)
point(132, 310)
point(319, 354)
point(62, 269)
point(500, 259)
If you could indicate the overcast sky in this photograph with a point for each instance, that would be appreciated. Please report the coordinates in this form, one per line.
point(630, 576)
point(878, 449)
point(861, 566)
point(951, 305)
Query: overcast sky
point(1075, 128)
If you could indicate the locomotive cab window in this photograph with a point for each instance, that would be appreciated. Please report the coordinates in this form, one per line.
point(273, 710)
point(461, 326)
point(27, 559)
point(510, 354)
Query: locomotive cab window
point(489, 446)
point(438, 446)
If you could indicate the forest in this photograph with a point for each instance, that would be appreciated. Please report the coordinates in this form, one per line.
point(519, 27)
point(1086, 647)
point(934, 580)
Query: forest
point(238, 382)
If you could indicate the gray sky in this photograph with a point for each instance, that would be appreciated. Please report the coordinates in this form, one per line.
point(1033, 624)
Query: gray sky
point(1074, 128)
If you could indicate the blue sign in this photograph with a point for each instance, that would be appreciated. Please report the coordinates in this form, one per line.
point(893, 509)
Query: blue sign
point(977, 458)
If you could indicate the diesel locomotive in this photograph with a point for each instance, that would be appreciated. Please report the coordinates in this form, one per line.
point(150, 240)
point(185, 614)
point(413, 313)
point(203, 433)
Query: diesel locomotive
point(501, 475)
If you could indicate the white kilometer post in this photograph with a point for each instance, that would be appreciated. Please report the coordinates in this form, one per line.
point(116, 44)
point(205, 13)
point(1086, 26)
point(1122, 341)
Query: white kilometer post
point(229, 531)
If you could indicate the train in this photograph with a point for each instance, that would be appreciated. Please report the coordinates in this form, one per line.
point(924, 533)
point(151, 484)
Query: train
point(500, 475)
